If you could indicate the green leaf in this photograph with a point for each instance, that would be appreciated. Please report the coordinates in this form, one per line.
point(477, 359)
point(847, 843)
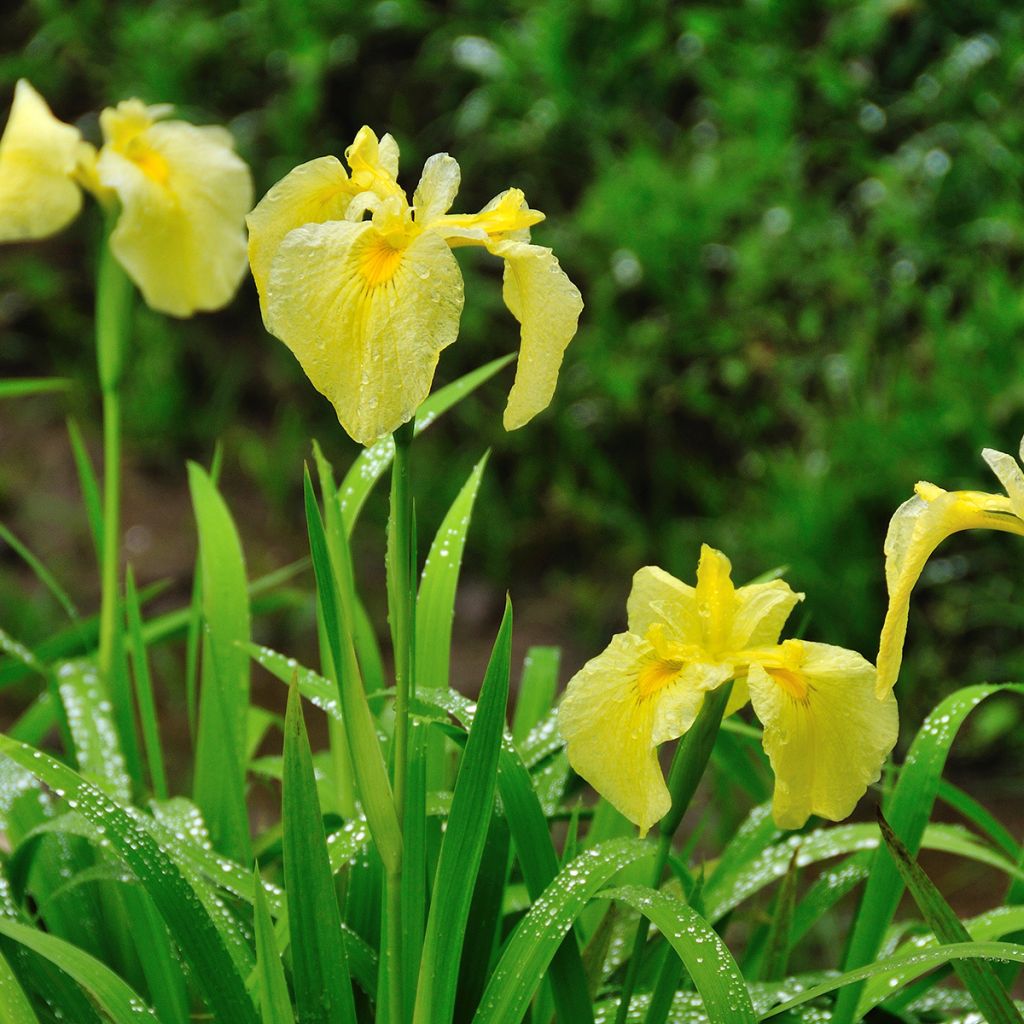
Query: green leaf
point(193, 929)
point(41, 573)
point(979, 978)
point(980, 817)
point(323, 989)
point(275, 1002)
point(538, 935)
point(90, 486)
point(435, 605)
point(114, 996)
point(464, 839)
point(15, 1007)
point(537, 686)
point(22, 386)
point(703, 953)
point(903, 968)
point(219, 787)
point(780, 931)
point(373, 462)
point(907, 810)
point(336, 595)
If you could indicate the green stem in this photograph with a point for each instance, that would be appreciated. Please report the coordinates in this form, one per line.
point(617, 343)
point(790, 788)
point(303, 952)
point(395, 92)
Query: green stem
point(396, 988)
point(113, 321)
point(688, 764)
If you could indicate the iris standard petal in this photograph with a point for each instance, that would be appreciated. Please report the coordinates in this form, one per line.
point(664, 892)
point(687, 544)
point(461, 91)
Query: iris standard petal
point(1010, 476)
point(438, 187)
point(657, 597)
point(184, 195)
point(38, 155)
point(314, 192)
point(916, 529)
point(761, 612)
point(608, 728)
point(716, 598)
point(825, 733)
point(374, 163)
point(548, 306)
point(366, 320)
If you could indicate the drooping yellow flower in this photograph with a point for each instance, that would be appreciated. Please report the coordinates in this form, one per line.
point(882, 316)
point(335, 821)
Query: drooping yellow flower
point(38, 155)
point(362, 286)
point(825, 733)
point(917, 528)
point(181, 195)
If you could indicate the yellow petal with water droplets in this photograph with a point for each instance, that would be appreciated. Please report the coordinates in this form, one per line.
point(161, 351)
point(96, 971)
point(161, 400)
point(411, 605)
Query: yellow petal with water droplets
point(608, 731)
point(716, 598)
point(677, 703)
point(548, 306)
point(825, 733)
point(314, 192)
point(438, 187)
point(38, 156)
point(373, 163)
point(657, 597)
point(506, 218)
point(916, 529)
point(184, 195)
point(761, 612)
point(365, 320)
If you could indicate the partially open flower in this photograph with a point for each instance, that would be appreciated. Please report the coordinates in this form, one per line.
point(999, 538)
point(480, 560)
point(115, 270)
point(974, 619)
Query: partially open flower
point(364, 289)
point(825, 733)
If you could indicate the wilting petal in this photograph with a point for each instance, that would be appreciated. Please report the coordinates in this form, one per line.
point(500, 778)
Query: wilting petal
point(312, 193)
point(915, 531)
point(825, 733)
point(38, 155)
point(366, 320)
point(608, 728)
point(548, 306)
point(438, 187)
point(184, 195)
point(659, 598)
point(761, 612)
point(1010, 476)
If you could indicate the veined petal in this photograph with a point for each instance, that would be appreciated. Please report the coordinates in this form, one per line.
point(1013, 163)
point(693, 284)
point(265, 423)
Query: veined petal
point(314, 192)
point(439, 184)
point(1010, 476)
point(548, 306)
point(657, 597)
point(761, 612)
point(184, 196)
point(38, 155)
point(716, 598)
point(506, 218)
point(678, 702)
point(916, 529)
point(366, 320)
point(608, 728)
point(825, 733)
point(374, 164)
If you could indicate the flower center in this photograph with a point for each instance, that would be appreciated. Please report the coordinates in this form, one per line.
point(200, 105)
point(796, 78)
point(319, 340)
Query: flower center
point(790, 681)
point(655, 675)
point(152, 165)
point(380, 261)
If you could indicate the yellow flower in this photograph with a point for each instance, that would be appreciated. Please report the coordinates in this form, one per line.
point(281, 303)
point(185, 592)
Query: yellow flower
point(362, 286)
point(917, 528)
point(38, 155)
point(181, 193)
point(825, 733)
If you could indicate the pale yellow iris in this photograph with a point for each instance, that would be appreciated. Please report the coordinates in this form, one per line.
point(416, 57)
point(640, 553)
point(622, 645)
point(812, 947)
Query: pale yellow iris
point(181, 193)
point(825, 733)
point(362, 286)
point(917, 528)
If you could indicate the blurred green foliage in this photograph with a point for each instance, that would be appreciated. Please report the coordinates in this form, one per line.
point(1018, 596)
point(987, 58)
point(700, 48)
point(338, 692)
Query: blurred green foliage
point(798, 228)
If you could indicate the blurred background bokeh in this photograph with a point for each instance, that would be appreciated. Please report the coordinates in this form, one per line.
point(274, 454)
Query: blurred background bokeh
point(798, 228)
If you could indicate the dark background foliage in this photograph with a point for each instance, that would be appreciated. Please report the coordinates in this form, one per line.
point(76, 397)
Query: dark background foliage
point(797, 227)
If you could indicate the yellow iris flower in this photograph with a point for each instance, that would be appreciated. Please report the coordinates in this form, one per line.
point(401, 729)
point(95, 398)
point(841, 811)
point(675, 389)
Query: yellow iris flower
point(917, 528)
point(362, 286)
point(825, 733)
point(181, 191)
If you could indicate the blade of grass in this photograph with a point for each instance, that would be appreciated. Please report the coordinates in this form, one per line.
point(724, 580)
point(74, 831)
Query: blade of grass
point(90, 486)
point(275, 1002)
point(323, 988)
point(464, 839)
point(219, 786)
point(978, 977)
point(537, 686)
point(15, 1007)
point(186, 916)
point(20, 387)
point(41, 573)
